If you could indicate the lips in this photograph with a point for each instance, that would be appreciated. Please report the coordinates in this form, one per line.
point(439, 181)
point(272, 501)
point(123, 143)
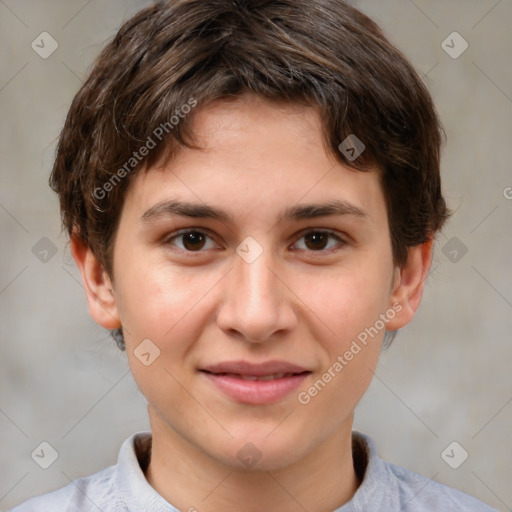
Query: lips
point(262, 378)
point(255, 383)
point(245, 368)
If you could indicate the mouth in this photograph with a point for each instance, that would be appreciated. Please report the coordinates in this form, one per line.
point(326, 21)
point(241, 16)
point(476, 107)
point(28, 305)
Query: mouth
point(255, 384)
point(253, 378)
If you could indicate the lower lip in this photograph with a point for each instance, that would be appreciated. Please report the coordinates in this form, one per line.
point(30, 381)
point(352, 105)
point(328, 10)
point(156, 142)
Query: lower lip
point(256, 392)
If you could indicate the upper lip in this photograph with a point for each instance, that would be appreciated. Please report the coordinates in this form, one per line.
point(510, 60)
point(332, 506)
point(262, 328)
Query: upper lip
point(254, 369)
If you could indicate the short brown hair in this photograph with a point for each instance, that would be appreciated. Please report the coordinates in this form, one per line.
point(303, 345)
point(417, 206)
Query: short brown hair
point(190, 52)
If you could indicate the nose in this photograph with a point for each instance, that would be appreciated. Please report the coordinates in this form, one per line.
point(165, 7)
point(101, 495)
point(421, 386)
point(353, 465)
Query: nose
point(257, 303)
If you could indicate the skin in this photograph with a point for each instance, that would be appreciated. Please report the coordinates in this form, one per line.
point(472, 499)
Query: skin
point(298, 302)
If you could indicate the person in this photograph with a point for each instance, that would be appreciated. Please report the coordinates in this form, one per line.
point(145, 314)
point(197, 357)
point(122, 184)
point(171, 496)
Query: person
point(252, 192)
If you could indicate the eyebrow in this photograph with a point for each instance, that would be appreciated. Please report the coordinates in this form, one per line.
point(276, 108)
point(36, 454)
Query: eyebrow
point(297, 212)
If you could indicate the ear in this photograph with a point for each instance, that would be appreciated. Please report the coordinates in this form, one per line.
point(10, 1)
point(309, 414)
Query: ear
point(98, 288)
point(409, 283)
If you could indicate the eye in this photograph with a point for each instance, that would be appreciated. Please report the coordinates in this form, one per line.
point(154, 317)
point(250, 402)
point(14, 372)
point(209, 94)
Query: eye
point(192, 240)
point(195, 240)
point(318, 240)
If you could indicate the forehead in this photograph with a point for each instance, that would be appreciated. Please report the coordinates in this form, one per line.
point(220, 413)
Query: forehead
point(249, 113)
point(256, 155)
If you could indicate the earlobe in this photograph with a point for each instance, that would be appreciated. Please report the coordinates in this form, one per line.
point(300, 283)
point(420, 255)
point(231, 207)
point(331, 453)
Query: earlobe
point(97, 284)
point(410, 283)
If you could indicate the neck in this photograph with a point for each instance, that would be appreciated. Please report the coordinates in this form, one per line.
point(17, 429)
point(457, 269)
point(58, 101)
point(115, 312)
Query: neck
point(191, 479)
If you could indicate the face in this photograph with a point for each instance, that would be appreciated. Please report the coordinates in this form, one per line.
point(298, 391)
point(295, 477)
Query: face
point(262, 316)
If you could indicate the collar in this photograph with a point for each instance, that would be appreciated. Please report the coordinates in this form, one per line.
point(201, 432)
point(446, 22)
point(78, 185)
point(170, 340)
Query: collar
point(136, 494)
point(134, 490)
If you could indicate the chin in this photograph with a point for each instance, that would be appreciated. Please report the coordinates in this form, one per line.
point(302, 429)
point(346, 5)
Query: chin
point(261, 452)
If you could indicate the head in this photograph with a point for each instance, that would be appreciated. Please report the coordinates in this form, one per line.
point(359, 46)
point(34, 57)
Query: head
point(249, 109)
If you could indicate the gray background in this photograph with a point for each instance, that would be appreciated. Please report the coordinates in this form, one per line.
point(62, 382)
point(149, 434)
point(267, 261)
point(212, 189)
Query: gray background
point(446, 377)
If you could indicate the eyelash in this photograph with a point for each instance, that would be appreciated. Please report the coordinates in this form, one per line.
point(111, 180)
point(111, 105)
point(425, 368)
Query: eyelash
point(341, 242)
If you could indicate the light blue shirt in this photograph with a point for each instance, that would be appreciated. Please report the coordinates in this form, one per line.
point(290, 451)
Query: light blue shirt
point(124, 488)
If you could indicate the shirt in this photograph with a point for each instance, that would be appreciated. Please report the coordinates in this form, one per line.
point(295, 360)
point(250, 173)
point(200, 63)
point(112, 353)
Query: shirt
point(123, 487)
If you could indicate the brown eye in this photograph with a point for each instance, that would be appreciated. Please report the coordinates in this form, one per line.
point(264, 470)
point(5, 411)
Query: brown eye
point(318, 241)
point(191, 240)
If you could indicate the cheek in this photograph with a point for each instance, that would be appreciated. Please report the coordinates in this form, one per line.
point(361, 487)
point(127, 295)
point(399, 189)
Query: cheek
point(166, 305)
point(351, 331)
point(163, 307)
point(346, 301)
